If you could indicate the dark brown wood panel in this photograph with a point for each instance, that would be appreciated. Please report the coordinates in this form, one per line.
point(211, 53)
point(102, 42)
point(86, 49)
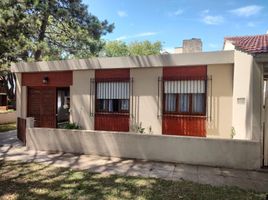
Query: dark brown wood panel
point(48, 108)
point(184, 125)
point(55, 79)
point(42, 106)
point(21, 129)
point(189, 71)
point(112, 122)
point(112, 74)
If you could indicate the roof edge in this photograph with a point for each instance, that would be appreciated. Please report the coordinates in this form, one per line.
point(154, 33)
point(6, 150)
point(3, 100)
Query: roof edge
point(184, 59)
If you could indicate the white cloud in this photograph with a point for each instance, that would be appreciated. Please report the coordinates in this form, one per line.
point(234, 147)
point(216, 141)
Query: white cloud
point(213, 20)
point(144, 34)
point(122, 37)
point(178, 12)
point(251, 24)
point(204, 12)
point(122, 13)
point(247, 11)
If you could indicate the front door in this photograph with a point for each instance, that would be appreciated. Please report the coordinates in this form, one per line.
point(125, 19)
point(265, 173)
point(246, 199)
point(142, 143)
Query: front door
point(63, 107)
point(42, 106)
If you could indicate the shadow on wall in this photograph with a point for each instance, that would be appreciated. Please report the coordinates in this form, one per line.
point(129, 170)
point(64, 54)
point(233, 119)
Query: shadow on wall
point(249, 106)
point(215, 152)
point(256, 98)
point(145, 98)
point(219, 102)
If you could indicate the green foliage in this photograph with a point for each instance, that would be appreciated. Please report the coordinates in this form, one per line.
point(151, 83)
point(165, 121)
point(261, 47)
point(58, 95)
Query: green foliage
point(72, 126)
point(145, 48)
point(16, 31)
point(233, 132)
point(8, 127)
point(116, 48)
point(138, 128)
point(120, 48)
point(30, 180)
point(48, 30)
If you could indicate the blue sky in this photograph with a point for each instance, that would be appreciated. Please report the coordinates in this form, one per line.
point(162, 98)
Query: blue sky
point(171, 21)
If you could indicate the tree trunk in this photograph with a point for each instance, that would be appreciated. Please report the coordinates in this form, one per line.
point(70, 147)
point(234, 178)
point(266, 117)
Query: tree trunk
point(41, 37)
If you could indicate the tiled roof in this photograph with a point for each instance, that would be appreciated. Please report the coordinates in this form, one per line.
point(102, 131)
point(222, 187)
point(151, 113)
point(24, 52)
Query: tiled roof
point(250, 44)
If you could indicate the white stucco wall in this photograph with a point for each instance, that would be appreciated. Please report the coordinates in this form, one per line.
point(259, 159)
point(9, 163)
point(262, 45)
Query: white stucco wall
point(145, 101)
point(257, 101)
point(242, 97)
point(21, 97)
point(228, 46)
point(80, 99)
point(190, 150)
point(184, 59)
point(220, 96)
point(248, 85)
point(8, 117)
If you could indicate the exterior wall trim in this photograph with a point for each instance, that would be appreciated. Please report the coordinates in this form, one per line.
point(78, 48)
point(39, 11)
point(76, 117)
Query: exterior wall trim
point(185, 59)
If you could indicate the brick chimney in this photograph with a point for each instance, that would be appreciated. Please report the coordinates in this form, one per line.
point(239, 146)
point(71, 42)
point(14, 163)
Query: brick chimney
point(192, 45)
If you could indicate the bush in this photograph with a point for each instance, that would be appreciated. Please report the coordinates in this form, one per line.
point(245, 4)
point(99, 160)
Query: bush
point(71, 126)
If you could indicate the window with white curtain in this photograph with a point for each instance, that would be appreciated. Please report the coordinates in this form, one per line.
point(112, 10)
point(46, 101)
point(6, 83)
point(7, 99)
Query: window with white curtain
point(185, 97)
point(112, 97)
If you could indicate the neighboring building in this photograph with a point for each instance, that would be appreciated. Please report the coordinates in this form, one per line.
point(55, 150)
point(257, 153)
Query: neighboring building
point(206, 94)
point(193, 45)
point(178, 50)
point(3, 96)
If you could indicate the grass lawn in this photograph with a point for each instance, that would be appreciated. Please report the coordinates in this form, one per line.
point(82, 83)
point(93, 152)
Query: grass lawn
point(38, 181)
point(7, 111)
point(7, 127)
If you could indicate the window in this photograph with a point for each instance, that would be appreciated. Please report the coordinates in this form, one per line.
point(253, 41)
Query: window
point(3, 100)
point(112, 97)
point(170, 105)
point(185, 97)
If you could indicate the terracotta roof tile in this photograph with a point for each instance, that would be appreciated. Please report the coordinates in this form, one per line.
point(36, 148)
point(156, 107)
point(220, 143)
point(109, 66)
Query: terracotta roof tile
point(251, 44)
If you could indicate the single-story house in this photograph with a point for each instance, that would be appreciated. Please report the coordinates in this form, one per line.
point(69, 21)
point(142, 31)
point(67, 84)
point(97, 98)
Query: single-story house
point(206, 94)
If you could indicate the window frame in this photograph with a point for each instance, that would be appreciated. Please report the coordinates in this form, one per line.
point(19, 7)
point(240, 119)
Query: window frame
point(106, 111)
point(190, 112)
point(190, 102)
point(120, 110)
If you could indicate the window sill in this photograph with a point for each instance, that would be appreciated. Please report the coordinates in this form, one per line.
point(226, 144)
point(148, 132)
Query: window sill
point(111, 113)
point(187, 115)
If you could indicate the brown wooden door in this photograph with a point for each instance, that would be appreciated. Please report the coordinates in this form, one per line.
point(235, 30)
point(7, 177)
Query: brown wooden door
point(42, 106)
point(48, 108)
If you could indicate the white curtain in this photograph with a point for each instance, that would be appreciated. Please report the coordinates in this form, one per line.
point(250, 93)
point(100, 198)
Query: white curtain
point(113, 90)
point(186, 87)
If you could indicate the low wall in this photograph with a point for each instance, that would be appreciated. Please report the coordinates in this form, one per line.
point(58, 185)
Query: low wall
point(8, 117)
point(202, 151)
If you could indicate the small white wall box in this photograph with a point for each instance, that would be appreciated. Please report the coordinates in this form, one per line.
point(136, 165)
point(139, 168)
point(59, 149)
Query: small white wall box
point(241, 100)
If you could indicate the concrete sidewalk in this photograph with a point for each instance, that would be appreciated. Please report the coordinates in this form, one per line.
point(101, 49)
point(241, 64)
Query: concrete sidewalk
point(11, 149)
